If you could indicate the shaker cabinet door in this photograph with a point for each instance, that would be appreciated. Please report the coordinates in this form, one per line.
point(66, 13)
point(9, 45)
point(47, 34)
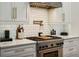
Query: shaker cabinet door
point(13, 11)
point(19, 10)
point(5, 11)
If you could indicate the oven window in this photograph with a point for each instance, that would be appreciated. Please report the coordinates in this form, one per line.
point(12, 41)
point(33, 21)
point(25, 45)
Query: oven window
point(51, 54)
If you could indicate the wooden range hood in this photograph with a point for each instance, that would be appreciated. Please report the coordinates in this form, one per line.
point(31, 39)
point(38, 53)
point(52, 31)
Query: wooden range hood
point(47, 5)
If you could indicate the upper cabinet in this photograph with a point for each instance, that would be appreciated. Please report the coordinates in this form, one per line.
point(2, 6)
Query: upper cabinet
point(13, 11)
point(19, 11)
point(67, 11)
point(5, 11)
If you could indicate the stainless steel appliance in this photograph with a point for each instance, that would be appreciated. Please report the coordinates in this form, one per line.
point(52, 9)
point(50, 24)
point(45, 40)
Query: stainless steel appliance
point(51, 47)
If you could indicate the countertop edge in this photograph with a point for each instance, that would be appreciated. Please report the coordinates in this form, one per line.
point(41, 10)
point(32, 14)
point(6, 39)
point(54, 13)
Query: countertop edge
point(16, 43)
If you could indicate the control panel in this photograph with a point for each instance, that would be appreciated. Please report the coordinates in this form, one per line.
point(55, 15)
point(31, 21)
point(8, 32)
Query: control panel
point(50, 44)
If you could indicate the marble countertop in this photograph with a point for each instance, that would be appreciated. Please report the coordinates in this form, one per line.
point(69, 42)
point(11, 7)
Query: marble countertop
point(68, 37)
point(16, 42)
point(27, 41)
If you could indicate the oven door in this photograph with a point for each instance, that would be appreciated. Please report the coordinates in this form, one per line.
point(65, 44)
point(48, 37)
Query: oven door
point(52, 52)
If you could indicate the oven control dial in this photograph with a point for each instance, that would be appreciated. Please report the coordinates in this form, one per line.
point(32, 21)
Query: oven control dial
point(51, 44)
point(40, 47)
point(46, 46)
point(43, 46)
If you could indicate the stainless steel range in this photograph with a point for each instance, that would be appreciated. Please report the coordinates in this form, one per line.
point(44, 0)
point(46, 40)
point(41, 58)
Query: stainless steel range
point(49, 46)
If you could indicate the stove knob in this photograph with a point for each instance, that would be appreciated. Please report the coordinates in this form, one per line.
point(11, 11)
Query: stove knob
point(42, 46)
point(62, 43)
point(58, 44)
point(46, 46)
point(51, 44)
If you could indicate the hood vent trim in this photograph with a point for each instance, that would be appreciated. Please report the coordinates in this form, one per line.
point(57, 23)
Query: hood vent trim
point(47, 5)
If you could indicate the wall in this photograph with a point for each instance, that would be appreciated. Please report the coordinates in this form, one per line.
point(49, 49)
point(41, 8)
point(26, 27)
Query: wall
point(56, 20)
point(30, 29)
point(75, 18)
point(71, 10)
point(40, 14)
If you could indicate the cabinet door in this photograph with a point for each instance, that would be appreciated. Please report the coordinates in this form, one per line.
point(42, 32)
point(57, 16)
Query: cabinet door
point(5, 11)
point(71, 47)
point(19, 51)
point(67, 11)
point(19, 11)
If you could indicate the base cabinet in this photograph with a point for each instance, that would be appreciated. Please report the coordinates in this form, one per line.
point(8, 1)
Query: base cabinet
point(71, 48)
point(19, 51)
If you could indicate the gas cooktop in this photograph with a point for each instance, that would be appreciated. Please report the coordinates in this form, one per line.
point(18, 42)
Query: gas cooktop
point(43, 38)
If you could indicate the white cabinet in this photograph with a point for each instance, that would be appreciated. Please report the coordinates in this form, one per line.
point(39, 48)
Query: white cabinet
point(20, 11)
point(13, 11)
point(19, 51)
point(5, 11)
point(67, 11)
point(71, 47)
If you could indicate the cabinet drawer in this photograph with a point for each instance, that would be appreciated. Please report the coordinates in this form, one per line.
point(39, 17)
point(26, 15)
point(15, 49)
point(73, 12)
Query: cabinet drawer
point(18, 50)
point(70, 50)
point(30, 54)
point(69, 43)
point(18, 47)
point(71, 55)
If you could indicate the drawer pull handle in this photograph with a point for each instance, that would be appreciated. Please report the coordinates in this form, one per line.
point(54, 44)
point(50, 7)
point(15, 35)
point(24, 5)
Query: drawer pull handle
point(19, 50)
point(70, 41)
point(71, 49)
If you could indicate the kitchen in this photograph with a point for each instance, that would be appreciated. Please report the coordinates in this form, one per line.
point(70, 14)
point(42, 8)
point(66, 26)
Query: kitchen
point(41, 29)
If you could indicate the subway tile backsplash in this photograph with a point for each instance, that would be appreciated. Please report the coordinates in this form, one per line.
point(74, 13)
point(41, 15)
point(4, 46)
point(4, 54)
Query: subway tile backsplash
point(10, 27)
point(29, 30)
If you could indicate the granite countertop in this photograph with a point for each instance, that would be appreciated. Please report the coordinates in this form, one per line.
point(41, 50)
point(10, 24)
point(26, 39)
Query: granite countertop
point(15, 43)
